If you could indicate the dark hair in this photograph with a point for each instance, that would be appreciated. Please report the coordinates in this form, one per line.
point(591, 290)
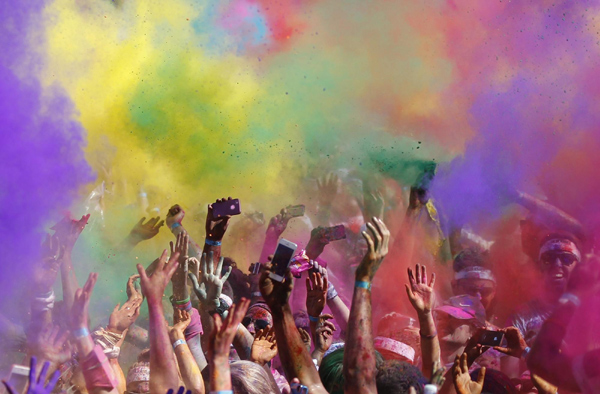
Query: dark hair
point(331, 370)
point(495, 382)
point(471, 257)
point(396, 376)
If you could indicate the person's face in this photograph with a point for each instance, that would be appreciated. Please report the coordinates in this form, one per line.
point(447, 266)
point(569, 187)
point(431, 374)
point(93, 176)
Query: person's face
point(453, 331)
point(556, 268)
point(482, 289)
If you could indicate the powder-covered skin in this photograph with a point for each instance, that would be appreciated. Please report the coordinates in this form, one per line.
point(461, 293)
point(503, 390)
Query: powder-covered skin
point(205, 99)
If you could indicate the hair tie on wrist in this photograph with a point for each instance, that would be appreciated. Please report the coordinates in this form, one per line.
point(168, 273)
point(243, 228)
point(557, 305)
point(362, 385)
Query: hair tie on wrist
point(313, 319)
point(362, 284)
point(212, 243)
point(81, 333)
point(175, 225)
point(177, 343)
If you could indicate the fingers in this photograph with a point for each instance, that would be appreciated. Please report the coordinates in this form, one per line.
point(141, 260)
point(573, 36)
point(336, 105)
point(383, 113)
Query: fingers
point(42, 377)
point(423, 274)
point(330, 325)
point(463, 363)
point(411, 277)
point(172, 265)
point(409, 293)
point(141, 222)
point(308, 283)
point(481, 377)
point(226, 275)
point(141, 272)
point(9, 387)
point(159, 225)
point(219, 267)
point(55, 376)
point(432, 282)
point(171, 247)
point(89, 284)
point(369, 241)
point(162, 260)
point(32, 371)
point(211, 263)
point(375, 235)
point(240, 311)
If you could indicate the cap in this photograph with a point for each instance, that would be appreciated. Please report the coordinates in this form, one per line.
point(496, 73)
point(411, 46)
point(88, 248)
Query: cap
point(464, 307)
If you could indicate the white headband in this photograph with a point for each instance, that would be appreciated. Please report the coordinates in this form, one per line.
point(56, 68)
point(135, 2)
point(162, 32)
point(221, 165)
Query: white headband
point(560, 245)
point(475, 272)
point(395, 347)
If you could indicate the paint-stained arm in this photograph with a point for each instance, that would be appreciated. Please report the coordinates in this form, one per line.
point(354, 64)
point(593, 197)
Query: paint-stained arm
point(359, 356)
point(295, 359)
point(215, 231)
point(422, 297)
point(163, 369)
point(190, 372)
point(220, 342)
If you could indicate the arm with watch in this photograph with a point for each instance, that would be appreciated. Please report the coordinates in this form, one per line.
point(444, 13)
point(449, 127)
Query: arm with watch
point(359, 357)
point(422, 297)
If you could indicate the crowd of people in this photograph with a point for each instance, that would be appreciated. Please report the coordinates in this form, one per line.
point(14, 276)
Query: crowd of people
point(213, 327)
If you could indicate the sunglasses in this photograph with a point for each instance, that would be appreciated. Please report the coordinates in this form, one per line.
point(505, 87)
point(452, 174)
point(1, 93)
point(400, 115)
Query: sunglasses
point(566, 259)
point(259, 324)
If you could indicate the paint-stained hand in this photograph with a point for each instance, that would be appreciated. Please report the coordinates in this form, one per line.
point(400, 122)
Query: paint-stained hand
point(305, 336)
point(462, 380)
point(276, 294)
point(378, 238)
point(327, 189)
point(216, 227)
point(68, 231)
point(264, 347)
point(50, 343)
point(122, 318)
point(316, 292)
point(209, 291)
point(515, 343)
point(419, 291)
point(153, 287)
point(175, 215)
point(223, 332)
point(81, 303)
point(37, 384)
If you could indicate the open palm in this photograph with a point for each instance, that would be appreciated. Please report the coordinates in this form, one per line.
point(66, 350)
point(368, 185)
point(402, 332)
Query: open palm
point(420, 293)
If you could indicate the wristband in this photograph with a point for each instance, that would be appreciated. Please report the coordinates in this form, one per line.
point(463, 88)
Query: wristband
point(211, 242)
point(177, 343)
point(430, 389)
point(222, 392)
point(526, 353)
point(175, 225)
point(427, 336)
point(180, 302)
point(81, 333)
point(313, 319)
point(331, 292)
point(362, 285)
point(569, 298)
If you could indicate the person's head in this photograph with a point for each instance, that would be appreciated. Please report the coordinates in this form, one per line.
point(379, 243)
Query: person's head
point(392, 349)
point(395, 376)
point(250, 378)
point(558, 256)
point(473, 276)
point(138, 376)
point(257, 317)
point(331, 370)
point(495, 382)
point(302, 321)
point(457, 320)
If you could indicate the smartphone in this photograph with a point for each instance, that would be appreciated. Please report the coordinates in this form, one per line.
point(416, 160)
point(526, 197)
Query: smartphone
point(255, 268)
point(298, 388)
point(282, 258)
point(294, 211)
point(19, 377)
point(491, 338)
point(334, 233)
point(226, 208)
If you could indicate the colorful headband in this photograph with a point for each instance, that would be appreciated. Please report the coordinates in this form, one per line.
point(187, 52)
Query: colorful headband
point(475, 272)
point(333, 348)
point(225, 298)
point(394, 346)
point(560, 245)
point(139, 372)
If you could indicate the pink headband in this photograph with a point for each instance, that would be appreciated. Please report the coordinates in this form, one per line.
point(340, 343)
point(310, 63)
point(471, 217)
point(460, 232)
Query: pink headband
point(560, 245)
point(475, 272)
point(394, 346)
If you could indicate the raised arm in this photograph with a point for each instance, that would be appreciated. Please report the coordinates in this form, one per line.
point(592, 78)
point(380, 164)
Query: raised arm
point(220, 343)
point(174, 222)
point(277, 226)
point(295, 359)
point(163, 370)
point(359, 356)
point(422, 298)
point(141, 232)
point(215, 231)
point(68, 232)
point(97, 372)
point(190, 373)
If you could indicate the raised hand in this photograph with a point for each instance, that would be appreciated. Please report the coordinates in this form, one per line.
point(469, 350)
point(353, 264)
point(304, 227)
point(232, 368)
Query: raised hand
point(420, 291)
point(305, 338)
point(122, 318)
point(278, 224)
point(462, 380)
point(316, 292)
point(181, 320)
point(132, 288)
point(36, 384)
point(515, 343)
point(153, 287)
point(327, 189)
point(209, 290)
point(175, 215)
point(45, 271)
point(264, 347)
point(473, 349)
point(224, 331)
point(68, 230)
point(378, 238)
point(438, 377)
point(50, 344)
point(324, 334)
point(216, 227)
point(81, 303)
point(181, 247)
point(144, 231)
point(276, 294)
